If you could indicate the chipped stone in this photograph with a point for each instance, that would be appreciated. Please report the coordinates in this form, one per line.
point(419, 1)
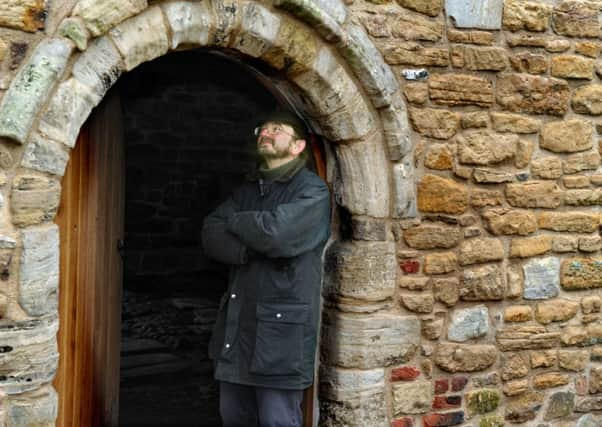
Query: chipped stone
point(541, 278)
point(504, 221)
point(524, 93)
point(482, 284)
point(468, 323)
point(460, 89)
point(436, 123)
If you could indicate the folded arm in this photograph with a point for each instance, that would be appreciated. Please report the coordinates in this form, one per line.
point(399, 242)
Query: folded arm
point(289, 229)
point(219, 243)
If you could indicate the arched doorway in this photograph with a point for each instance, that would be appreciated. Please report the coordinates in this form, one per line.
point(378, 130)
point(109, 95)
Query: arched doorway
point(349, 94)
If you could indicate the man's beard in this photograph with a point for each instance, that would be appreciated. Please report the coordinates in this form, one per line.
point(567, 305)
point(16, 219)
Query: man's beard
point(275, 153)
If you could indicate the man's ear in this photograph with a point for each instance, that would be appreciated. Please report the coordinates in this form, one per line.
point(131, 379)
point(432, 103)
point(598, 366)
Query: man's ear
point(298, 147)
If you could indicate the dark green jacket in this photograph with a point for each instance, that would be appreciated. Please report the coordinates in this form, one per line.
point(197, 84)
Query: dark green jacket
point(272, 234)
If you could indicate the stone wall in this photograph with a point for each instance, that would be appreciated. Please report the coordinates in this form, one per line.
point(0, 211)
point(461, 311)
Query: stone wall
point(475, 302)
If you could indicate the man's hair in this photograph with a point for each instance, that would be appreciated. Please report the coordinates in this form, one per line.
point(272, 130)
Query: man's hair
point(287, 118)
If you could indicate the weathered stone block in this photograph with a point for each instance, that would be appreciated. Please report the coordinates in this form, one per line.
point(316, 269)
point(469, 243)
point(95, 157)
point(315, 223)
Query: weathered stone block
point(418, 303)
point(595, 380)
point(34, 199)
point(534, 194)
point(514, 279)
point(436, 123)
point(591, 304)
point(483, 198)
point(45, 155)
point(369, 341)
point(549, 380)
point(518, 313)
point(482, 401)
point(472, 37)
point(491, 176)
point(516, 338)
point(460, 89)
point(474, 119)
point(74, 28)
point(436, 194)
point(572, 67)
point(481, 250)
point(29, 357)
point(412, 398)
point(514, 366)
point(590, 243)
point(543, 358)
point(567, 136)
point(102, 15)
point(574, 222)
point(482, 284)
point(368, 65)
point(542, 278)
point(403, 189)
point(576, 181)
point(432, 235)
point(365, 188)
point(549, 167)
point(396, 129)
point(446, 290)
point(583, 197)
point(557, 310)
point(483, 147)
point(524, 152)
point(483, 14)
point(326, 84)
point(581, 273)
point(440, 263)
point(560, 405)
point(573, 360)
point(581, 162)
point(504, 221)
point(515, 123)
point(38, 408)
point(362, 270)
point(39, 270)
point(30, 87)
point(526, 15)
point(469, 323)
point(412, 53)
point(464, 358)
point(588, 99)
point(530, 246)
point(439, 157)
point(576, 19)
point(527, 62)
point(141, 38)
point(413, 26)
point(25, 15)
point(353, 121)
point(349, 384)
point(98, 68)
point(480, 58)
point(523, 93)
point(428, 7)
point(524, 407)
point(190, 23)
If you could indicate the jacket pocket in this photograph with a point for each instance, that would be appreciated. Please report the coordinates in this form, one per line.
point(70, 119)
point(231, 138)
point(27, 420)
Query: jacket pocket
point(279, 339)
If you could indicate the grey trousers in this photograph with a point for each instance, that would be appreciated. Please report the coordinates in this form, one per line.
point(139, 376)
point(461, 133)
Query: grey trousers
point(247, 406)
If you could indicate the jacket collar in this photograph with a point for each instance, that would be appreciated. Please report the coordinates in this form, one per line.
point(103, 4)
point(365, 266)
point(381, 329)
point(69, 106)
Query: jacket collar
point(282, 173)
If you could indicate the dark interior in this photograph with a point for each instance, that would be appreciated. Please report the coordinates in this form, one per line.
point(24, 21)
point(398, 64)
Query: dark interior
point(188, 140)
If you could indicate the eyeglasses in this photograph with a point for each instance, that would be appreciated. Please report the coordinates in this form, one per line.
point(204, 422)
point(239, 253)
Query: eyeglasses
point(272, 130)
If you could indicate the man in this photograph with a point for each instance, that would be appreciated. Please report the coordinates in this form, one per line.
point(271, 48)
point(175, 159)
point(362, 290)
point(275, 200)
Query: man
point(271, 231)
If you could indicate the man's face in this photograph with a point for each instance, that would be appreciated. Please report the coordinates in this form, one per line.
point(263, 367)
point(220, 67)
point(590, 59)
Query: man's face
point(276, 141)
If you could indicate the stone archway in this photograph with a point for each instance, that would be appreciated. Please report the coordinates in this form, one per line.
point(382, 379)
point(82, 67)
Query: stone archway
point(348, 93)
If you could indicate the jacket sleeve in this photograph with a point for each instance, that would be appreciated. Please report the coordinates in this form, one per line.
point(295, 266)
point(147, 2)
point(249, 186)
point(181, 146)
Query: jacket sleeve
point(219, 243)
point(289, 229)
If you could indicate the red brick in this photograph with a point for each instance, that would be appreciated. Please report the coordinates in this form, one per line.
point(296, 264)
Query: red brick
point(403, 422)
point(458, 383)
point(410, 266)
point(447, 402)
point(441, 385)
point(405, 373)
point(443, 420)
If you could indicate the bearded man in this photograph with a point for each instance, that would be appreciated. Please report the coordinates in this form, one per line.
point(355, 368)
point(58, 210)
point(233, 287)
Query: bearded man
point(271, 232)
